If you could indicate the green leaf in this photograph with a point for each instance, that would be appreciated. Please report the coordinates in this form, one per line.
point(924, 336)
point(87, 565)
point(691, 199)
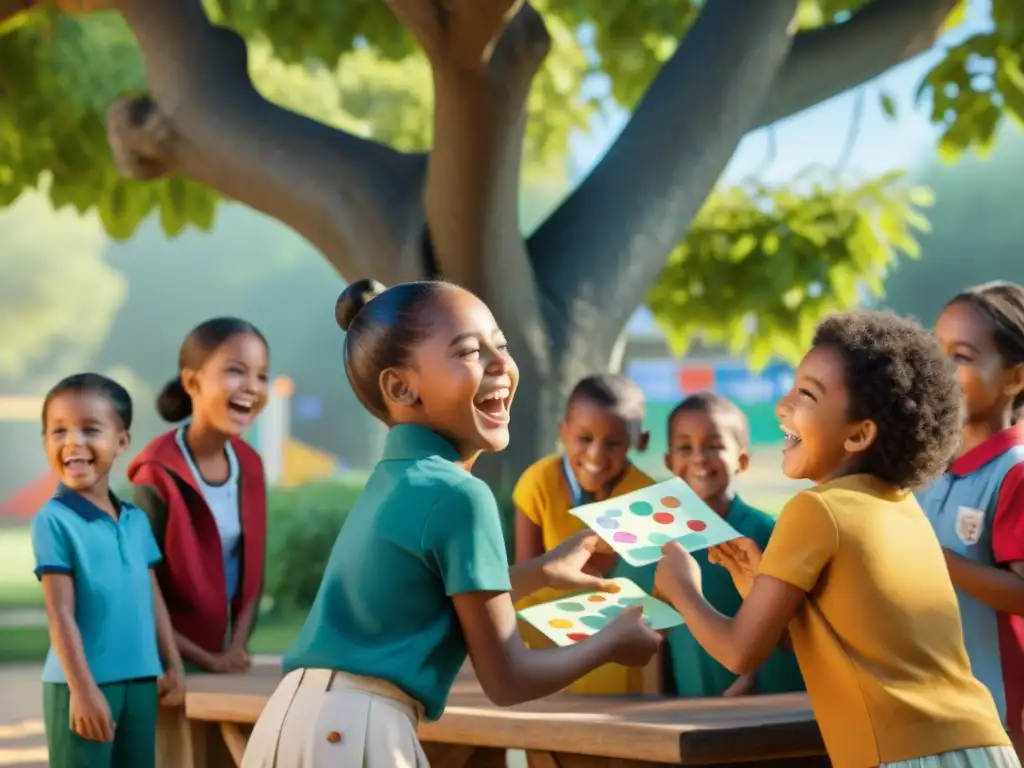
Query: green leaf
point(888, 106)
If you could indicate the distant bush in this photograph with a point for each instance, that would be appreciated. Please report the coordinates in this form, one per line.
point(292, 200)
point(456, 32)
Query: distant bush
point(302, 524)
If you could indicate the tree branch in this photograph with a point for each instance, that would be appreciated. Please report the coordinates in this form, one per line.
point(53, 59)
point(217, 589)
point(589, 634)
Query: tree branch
point(827, 61)
point(355, 200)
point(472, 192)
point(597, 255)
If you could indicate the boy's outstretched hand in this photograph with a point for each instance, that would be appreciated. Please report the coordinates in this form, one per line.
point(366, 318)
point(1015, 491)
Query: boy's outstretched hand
point(741, 557)
point(171, 687)
point(635, 643)
point(566, 566)
point(676, 570)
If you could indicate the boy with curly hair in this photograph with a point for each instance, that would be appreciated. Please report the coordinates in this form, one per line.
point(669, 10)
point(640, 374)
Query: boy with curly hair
point(853, 568)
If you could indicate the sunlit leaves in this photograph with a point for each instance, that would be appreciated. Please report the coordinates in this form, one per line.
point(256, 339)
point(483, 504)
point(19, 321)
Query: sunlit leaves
point(59, 73)
point(979, 81)
point(762, 266)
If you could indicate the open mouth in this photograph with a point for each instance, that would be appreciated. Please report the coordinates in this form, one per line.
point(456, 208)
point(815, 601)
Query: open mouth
point(790, 439)
point(494, 405)
point(593, 469)
point(77, 463)
point(241, 405)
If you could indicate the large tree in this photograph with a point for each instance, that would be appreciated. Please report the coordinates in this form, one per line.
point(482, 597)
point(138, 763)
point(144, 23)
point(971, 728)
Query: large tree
point(564, 294)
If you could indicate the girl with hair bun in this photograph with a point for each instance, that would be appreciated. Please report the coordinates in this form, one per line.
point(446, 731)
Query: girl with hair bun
point(419, 574)
point(203, 489)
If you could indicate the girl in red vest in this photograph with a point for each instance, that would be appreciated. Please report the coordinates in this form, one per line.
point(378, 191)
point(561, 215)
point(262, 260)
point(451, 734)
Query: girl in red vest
point(203, 489)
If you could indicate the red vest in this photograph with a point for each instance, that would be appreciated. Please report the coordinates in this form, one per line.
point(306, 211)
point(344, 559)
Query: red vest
point(192, 573)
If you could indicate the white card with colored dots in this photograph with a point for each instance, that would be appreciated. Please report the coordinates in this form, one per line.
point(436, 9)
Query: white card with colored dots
point(636, 525)
point(571, 619)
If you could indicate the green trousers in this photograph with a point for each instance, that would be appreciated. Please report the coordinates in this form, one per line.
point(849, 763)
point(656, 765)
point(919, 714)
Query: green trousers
point(133, 706)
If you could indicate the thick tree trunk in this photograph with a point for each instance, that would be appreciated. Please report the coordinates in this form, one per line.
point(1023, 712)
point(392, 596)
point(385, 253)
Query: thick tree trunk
point(564, 296)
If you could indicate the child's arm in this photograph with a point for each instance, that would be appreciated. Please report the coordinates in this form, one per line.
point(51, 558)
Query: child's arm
point(149, 499)
point(743, 644)
point(1000, 586)
point(172, 682)
point(90, 712)
point(511, 673)
point(529, 538)
point(744, 685)
point(804, 541)
point(564, 567)
point(463, 539)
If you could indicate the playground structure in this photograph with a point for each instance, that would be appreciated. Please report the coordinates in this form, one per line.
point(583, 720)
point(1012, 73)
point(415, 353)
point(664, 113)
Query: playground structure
point(287, 462)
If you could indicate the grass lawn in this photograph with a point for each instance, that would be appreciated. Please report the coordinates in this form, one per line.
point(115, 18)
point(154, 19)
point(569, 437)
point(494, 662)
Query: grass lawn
point(18, 585)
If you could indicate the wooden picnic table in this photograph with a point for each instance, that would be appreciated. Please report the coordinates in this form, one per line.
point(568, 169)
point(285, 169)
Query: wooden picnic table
point(560, 731)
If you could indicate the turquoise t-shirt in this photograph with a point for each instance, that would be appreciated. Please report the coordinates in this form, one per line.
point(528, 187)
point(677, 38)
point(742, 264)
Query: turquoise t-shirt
point(423, 530)
point(690, 670)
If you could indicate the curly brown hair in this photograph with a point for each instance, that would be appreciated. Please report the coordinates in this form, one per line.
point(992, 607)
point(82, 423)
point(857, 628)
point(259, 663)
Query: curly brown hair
point(898, 377)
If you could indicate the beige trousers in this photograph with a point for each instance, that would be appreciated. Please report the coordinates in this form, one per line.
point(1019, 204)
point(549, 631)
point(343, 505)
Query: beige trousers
point(319, 718)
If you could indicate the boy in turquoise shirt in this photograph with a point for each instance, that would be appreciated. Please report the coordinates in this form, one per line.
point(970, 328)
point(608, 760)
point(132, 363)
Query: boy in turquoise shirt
point(708, 445)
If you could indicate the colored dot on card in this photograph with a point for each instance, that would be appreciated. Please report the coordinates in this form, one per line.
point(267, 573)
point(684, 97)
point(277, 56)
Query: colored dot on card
point(612, 513)
point(696, 525)
point(611, 611)
point(571, 607)
point(560, 623)
point(577, 636)
point(671, 502)
point(691, 542)
point(625, 602)
point(664, 518)
point(608, 523)
point(659, 538)
point(594, 622)
point(624, 537)
point(646, 554)
point(641, 508)
point(597, 598)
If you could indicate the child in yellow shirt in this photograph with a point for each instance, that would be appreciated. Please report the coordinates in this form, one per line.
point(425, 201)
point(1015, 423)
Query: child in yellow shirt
point(853, 572)
point(603, 421)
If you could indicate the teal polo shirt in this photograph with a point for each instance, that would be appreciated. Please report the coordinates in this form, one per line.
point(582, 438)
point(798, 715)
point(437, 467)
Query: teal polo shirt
point(690, 671)
point(109, 563)
point(423, 530)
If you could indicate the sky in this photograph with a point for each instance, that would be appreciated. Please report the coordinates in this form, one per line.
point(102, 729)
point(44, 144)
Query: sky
point(818, 135)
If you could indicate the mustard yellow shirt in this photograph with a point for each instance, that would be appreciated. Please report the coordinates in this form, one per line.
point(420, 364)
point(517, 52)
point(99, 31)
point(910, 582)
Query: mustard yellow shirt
point(878, 639)
point(544, 496)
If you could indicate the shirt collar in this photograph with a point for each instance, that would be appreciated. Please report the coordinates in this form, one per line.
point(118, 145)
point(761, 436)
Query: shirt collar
point(81, 506)
point(577, 495)
point(413, 441)
point(994, 447)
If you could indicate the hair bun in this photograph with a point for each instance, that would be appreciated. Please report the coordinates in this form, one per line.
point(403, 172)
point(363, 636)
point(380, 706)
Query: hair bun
point(173, 403)
point(354, 298)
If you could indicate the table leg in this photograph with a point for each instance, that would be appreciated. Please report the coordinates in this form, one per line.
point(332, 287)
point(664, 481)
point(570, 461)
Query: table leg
point(234, 740)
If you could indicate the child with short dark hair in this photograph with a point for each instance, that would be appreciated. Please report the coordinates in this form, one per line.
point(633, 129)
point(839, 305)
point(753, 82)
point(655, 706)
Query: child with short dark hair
point(708, 447)
point(977, 506)
point(603, 421)
point(853, 569)
point(419, 574)
point(113, 658)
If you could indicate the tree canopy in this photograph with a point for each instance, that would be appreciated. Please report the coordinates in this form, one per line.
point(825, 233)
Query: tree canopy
point(421, 116)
